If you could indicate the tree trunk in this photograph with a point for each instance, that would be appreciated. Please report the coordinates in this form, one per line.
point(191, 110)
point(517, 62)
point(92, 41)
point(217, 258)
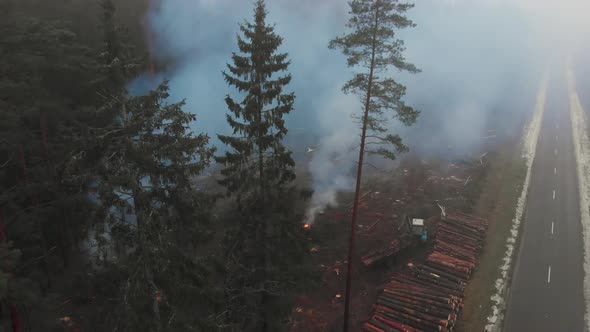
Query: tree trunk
point(17, 325)
point(40, 227)
point(139, 212)
point(265, 226)
point(358, 180)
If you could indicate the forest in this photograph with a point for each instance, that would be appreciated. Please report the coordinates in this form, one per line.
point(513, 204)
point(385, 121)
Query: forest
point(103, 215)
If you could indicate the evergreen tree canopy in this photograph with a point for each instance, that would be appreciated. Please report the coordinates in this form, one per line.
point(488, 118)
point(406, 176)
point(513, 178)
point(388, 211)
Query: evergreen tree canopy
point(146, 254)
point(44, 72)
point(118, 56)
point(257, 157)
point(266, 248)
point(372, 46)
point(149, 164)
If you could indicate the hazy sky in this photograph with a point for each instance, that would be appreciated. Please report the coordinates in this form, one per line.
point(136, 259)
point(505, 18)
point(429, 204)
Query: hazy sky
point(559, 14)
point(481, 61)
point(456, 43)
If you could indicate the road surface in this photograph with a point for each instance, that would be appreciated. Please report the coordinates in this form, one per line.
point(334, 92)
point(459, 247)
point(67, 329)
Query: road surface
point(546, 292)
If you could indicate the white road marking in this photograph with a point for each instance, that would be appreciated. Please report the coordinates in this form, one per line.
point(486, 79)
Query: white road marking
point(555, 170)
point(556, 152)
point(553, 193)
point(530, 140)
point(556, 138)
point(549, 275)
point(552, 224)
point(582, 153)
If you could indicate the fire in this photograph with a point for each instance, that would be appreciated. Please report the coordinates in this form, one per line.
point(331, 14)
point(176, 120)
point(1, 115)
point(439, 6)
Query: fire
point(67, 321)
point(306, 226)
point(158, 296)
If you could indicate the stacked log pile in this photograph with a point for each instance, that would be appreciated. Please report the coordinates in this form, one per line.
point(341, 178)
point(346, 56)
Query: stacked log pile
point(429, 296)
point(458, 242)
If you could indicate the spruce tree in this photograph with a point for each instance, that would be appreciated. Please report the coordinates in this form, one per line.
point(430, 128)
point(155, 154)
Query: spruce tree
point(144, 158)
point(372, 47)
point(56, 130)
point(257, 159)
point(265, 248)
point(148, 166)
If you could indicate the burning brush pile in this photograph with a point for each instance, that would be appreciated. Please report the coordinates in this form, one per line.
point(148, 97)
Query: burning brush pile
point(429, 296)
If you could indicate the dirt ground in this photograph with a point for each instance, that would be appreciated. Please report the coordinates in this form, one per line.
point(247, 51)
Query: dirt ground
point(411, 190)
point(497, 203)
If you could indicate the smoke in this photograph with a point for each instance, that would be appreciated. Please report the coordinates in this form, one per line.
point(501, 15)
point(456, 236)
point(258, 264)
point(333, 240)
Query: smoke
point(331, 166)
point(481, 62)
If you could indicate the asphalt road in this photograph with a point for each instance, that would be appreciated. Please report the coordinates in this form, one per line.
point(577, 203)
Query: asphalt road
point(546, 292)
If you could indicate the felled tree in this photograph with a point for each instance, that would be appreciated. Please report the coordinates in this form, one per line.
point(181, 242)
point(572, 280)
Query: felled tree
point(266, 245)
point(372, 47)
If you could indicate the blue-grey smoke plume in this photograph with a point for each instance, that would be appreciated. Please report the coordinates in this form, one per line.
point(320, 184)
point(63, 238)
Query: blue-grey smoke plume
point(480, 63)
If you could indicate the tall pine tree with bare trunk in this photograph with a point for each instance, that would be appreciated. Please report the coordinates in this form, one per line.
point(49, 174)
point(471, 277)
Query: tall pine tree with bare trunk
point(266, 249)
point(372, 47)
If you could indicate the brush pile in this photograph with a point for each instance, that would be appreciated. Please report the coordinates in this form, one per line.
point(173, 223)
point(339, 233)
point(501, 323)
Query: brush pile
point(377, 255)
point(429, 296)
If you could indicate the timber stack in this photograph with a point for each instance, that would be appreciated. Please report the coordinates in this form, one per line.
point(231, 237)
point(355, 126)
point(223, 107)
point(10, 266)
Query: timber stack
point(429, 296)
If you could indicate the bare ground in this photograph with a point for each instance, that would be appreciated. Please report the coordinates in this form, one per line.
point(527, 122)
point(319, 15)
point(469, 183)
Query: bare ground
point(496, 203)
point(411, 190)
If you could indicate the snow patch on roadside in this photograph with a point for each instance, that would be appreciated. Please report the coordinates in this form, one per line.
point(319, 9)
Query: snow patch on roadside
point(531, 136)
point(582, 152)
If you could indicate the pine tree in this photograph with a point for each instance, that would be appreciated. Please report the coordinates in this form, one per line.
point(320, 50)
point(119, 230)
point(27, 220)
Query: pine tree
point(373, 47)
point(44, 75)
point(14, 290)
point(266, 248)
point(118, 56)
point(44, 70)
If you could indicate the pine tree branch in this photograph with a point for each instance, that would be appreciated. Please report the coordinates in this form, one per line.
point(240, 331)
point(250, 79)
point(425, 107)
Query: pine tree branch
point(7, 162)
point(36, 259)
